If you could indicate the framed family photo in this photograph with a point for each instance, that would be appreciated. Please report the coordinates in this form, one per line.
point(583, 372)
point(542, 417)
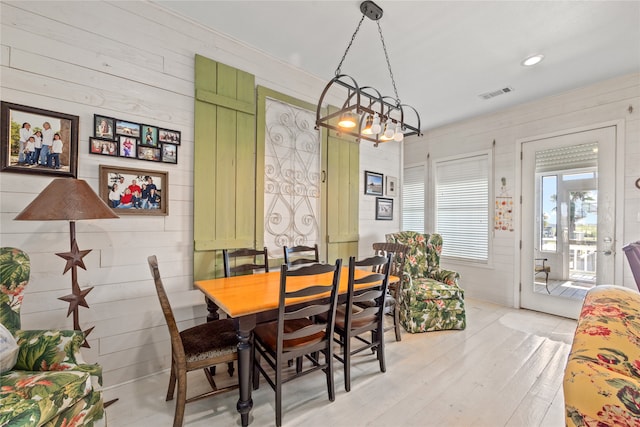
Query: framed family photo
point(130, 191)
point(384, 208)
point(170, 136)
point(128, 146)
point(373, 183)
point(38, 141)
point(149, 153)
point(105, 147)
point(127, 129)
point(149, 136)
point(170, 153)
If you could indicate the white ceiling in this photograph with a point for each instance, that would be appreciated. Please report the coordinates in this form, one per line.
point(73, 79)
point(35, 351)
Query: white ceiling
point(443, 53)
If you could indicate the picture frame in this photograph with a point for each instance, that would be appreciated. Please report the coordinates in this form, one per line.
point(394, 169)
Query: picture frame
point(384, 209)
point(149, 136)
point(13, 117)
point(103, 127)
point(128, 147)
point(151, 154)
point(373, 183)
point(170, 153)
point(391, 187)
point(105, 147)
point(126, 128)
point(140, 202)
point(169, 136)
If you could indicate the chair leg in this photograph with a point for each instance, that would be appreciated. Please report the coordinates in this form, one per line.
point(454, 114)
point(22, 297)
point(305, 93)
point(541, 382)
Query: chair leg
point(278, 396)
point(256, 371)
point(380, 336)
point(230, 369)
point(212, 383)
point(331, 386)
point(396, 322)
point(346, 356)
point(172, 383)
point(178, 418)
point(546, 282)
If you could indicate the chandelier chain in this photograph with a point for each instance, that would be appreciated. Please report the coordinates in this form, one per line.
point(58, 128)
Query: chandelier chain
point(386, 55)
point(353, 37)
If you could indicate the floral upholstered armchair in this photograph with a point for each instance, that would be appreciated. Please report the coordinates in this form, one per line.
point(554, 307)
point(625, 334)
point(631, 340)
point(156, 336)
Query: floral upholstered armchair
point(431, 299)
point(49, 385)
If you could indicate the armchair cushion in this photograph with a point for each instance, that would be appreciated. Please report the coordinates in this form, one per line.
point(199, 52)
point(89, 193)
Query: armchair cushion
point(48, 350)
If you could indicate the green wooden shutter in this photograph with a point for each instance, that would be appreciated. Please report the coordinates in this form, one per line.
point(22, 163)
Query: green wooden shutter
point(343, 172)
point(224, 162)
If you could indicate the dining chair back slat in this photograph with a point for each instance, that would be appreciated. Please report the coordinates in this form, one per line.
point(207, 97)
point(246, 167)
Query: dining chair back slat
point(241, 265)
point(298, 255)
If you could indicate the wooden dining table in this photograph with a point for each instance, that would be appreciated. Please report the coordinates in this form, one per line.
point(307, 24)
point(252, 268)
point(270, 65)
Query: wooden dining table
point(252, 299)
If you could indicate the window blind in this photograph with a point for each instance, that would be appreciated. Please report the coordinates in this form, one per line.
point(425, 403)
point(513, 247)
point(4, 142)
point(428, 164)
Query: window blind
point(413, 189)
point(462, 207)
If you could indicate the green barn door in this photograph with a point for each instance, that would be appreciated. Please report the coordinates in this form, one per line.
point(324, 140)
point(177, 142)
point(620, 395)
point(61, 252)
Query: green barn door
point(343, 170)
point(224, 163)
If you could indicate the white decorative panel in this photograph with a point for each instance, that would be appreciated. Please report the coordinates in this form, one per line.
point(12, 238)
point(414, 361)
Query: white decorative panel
point(291, 176)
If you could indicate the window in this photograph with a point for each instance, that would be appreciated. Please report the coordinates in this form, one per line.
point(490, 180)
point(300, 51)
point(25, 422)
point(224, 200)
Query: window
point(462, 206)
point(413, 198)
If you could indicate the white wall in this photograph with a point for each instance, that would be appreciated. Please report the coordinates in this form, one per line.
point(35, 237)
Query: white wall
point(130, 60)
point(607, 101)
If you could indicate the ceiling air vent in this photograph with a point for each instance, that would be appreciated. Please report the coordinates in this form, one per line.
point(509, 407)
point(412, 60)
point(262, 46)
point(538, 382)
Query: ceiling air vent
point(493, 94)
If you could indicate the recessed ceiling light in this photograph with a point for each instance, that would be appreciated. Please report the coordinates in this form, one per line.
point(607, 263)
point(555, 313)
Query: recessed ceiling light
point(532, 60)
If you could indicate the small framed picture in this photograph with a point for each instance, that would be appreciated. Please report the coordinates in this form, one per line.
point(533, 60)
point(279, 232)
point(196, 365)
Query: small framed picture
point(384, 208)
point(392, 186)
point(149, 136)
point(373, 183)
point(103, 127)
point(134, 191)
point(170, 136)
point(148, 153)
point(105, 147)
point(170, 153)
point(127, 128)
point(128, 146)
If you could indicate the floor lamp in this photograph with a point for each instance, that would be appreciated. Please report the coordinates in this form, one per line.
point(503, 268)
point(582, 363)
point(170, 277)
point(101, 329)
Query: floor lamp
point(68, 199)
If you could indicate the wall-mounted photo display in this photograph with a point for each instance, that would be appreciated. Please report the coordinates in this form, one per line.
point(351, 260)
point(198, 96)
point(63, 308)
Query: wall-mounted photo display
point(170, 136)
point(105, 147)
point(131, 191)
point(170, 153)
point(127, 128)
point(149, 136)
point(37, 141)
point(384, 208)
point(373, 183)
point(104, 127)
point(128, 146)
point(148, 153)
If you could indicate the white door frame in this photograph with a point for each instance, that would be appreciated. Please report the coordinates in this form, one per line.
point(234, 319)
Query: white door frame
point(620, 133)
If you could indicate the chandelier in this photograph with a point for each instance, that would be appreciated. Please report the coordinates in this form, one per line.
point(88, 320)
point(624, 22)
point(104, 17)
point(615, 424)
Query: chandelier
point(365, 113)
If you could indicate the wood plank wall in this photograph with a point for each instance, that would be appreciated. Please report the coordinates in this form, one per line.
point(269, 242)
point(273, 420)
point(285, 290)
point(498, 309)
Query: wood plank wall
point(607, 101)
point(135, 61)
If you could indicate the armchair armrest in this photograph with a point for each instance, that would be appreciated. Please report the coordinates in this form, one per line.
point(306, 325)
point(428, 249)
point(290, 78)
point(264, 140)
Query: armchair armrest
point(448, 277)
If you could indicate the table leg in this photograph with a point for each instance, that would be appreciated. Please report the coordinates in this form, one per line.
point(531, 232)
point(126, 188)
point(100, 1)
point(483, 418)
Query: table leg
point(212, 308)
point(246, 325)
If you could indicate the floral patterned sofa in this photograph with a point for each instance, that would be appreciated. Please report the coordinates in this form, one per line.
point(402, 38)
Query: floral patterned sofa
point(431, 299)
point(50, 385)
point(602, 377)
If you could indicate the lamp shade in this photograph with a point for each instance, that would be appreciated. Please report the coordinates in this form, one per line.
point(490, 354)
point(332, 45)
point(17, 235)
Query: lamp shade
point(66, 199)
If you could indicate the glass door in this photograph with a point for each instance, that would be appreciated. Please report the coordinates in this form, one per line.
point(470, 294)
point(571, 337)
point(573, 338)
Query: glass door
point(567, 219)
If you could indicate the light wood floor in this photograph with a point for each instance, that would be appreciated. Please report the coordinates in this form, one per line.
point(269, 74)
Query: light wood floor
point(505, 369)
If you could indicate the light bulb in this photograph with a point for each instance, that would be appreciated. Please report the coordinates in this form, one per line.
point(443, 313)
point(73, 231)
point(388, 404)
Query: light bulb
point(398, 136)
point(368, 125)
point(388, 131)
point(347, 120)
point(375, 127)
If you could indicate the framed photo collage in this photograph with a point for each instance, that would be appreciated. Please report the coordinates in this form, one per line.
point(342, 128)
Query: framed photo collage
point(121, 138)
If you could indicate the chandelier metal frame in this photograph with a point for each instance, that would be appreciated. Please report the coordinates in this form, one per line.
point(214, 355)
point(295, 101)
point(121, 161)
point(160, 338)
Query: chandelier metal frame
point(366, 102)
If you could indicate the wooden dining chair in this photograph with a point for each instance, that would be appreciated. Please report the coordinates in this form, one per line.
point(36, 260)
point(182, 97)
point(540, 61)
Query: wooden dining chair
point(632, 251)
point(199, 347)
point(294, 335)
point(398, 259)
point(310, 254)
point(246, 260)
point(353, 320)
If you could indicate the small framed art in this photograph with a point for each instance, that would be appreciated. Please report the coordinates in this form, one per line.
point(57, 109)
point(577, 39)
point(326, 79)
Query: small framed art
point(384, 208)
point(391, 189)
point(128, 146)
point(170, 136)
point(103, 127)
point(170, 153)
point(127, 128)
point(130, 191)
point(149, 136)
point(149, 153)
point(373, 183)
